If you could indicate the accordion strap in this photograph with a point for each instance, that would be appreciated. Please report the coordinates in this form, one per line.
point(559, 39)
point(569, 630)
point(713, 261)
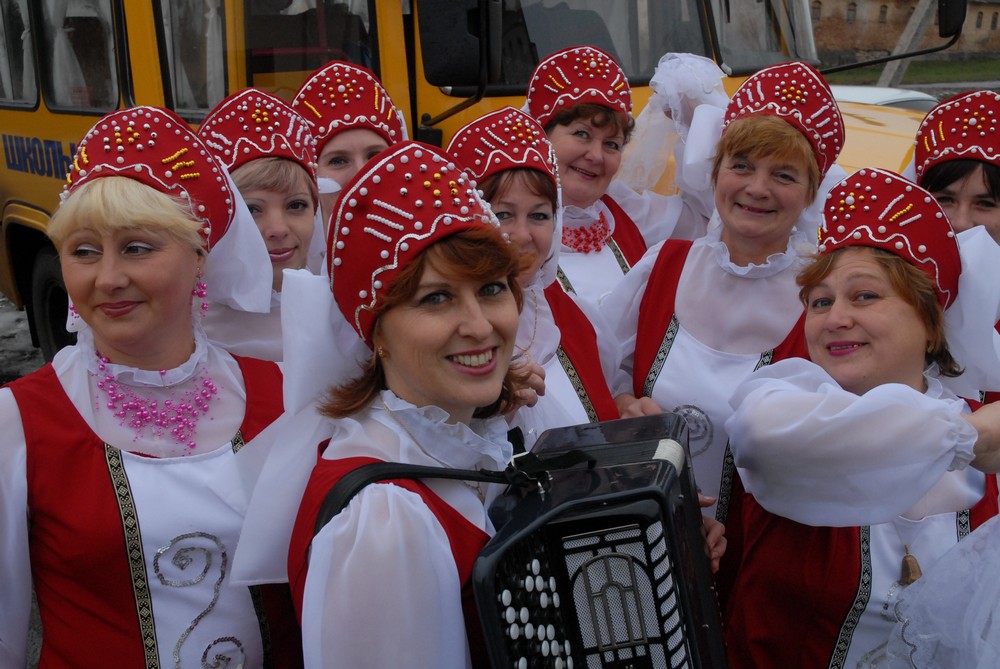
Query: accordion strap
point(525, 469)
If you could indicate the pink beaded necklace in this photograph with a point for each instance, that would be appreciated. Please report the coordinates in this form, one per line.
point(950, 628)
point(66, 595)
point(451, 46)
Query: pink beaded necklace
point(588, 238)
point(178, 417)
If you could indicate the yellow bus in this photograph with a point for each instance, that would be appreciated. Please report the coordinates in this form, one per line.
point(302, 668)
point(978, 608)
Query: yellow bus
point(64, 63)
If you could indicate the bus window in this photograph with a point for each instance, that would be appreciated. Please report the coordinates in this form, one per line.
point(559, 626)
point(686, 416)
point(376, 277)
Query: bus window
point(17, 69)
point(288, 39)
point(78, 58)
point(196, 54)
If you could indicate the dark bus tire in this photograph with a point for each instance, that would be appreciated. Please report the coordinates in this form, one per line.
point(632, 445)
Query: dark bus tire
point(49, 303)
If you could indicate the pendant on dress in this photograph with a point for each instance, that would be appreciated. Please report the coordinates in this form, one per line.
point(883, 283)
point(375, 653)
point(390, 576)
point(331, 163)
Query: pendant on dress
point(910, 570)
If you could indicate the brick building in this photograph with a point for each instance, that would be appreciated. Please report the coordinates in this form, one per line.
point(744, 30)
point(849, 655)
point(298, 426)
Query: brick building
point(849, 30)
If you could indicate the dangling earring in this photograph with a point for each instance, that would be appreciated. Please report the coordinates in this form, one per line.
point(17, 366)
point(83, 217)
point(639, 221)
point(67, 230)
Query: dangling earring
point(201, 292)
point(380, 352)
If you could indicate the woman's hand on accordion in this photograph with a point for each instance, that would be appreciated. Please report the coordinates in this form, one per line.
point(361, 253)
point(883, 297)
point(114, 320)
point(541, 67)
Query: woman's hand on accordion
point(715, 534)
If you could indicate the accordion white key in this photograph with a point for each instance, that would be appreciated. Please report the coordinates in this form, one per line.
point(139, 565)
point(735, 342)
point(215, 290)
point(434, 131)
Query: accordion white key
point(605, 565)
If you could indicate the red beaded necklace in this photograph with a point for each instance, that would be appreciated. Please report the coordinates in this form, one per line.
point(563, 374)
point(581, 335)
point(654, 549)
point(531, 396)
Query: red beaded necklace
point(588, 238)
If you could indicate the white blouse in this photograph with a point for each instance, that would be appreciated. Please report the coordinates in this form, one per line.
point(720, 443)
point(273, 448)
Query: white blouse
point(360, 607)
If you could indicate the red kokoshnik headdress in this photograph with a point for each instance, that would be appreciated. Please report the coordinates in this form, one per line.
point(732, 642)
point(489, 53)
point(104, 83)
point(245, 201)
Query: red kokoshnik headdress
point(798, 94)
point(966, 126)
point(341, 96)
point(254, 124)
point(158, 149)
point(576, 75)
point(407, 198)
point(881, 209)
point(503, 140)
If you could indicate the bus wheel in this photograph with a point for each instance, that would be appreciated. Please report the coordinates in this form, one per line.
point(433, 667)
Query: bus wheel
point(49, 304)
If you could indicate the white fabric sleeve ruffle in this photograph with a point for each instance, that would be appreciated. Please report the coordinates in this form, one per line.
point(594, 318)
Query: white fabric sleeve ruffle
point(819, 455)
point(970, 321)
point(948, 617)
point(321, 349)
point(291, 444)
point(620, 312)
point(382, 588)
point(15, 563)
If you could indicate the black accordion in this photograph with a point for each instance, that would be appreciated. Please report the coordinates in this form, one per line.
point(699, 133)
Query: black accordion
point(599, 560)
point(602, 562)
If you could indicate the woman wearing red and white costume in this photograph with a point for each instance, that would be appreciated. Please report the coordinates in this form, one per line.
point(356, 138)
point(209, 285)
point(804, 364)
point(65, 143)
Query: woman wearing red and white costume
point(353, 119)
point(270, 153)
point(127, 463)
point(582, 99)
point(695, 319)
point(423, 280)
point(506, 152)
point(957, 159)
point(857, 462)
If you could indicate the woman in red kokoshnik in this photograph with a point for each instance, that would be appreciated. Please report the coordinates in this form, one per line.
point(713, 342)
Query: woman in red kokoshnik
point(423, 277)
point(127, 463)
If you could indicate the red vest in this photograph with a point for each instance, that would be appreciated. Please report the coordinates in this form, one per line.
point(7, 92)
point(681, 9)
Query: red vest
point(802, 582)
point(466, 539)
point(79, 560)
point(578, 341)
point(626, 234)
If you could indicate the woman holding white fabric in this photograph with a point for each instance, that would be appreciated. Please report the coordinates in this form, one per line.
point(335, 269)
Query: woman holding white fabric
point(856, 462)
point(127, 462)
point(425, 279)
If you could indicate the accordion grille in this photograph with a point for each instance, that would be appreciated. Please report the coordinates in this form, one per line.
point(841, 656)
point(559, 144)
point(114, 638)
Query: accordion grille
point(605, 598)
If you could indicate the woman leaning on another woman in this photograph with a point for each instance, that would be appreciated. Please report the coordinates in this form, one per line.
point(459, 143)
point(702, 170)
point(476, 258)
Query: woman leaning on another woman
point(126, 463)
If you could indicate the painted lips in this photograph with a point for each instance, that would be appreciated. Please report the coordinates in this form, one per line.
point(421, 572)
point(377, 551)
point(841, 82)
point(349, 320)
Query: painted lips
point(117, 309)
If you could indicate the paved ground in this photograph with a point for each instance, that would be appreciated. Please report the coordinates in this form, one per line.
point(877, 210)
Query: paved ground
point(17, 356)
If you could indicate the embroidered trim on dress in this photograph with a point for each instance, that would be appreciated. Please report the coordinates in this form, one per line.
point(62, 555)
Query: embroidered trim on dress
point(574, 378)
point(257, 597)
point(661, 356)
point(619, 256)
point(860, 602)
point(564, 281)
point(133, 550)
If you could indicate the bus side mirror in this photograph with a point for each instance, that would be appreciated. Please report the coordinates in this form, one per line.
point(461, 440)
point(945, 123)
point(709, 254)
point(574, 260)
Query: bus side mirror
point(951, 17)
point(449, 40)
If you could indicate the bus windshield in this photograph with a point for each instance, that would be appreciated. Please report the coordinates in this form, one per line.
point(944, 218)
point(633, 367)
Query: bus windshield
point(756, 33)
point(636, 32)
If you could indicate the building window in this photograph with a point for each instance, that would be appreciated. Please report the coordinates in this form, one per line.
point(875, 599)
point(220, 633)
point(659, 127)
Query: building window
point(979, 19)
point(883, 12)
point(816, 10)
point(852, 12)
point(993, 21)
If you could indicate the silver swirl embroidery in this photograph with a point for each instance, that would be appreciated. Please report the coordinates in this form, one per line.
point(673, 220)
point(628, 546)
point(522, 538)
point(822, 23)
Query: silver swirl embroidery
point(700, 428)
point(186, 558)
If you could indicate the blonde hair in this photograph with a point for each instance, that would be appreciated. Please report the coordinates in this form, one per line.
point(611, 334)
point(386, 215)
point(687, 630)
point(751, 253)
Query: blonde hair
point(768, 136)
point(278, 175)
point(110, 204)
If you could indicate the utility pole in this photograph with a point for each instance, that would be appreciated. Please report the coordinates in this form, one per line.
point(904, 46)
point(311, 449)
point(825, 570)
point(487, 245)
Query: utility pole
point(909, 40)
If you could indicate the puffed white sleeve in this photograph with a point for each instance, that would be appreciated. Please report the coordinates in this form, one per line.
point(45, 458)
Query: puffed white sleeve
point(819, 455)
point(620, 311)
point(15, 565)
point(382, 588)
